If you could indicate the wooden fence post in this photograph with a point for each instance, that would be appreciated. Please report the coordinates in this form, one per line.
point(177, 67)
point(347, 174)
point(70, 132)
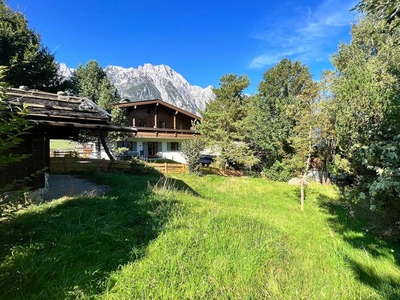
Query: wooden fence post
point(103, 165)
point(65, 164)
point(166, 168)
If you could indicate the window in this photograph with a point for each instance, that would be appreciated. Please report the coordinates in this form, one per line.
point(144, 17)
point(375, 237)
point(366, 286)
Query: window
point(133, 146)
point(162, 124)
point(175, 146)
point(125, 144)
point(142, 123)
point(152, 148)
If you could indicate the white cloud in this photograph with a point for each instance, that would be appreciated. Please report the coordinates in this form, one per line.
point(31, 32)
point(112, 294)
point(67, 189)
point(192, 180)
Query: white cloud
point(304, 33)
point(264, 60)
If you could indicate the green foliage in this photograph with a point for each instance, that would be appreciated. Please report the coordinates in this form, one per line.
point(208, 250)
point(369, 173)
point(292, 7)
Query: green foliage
point(366, 81)
point(380, 182)
point(118, 118)
point(29, 62)
point(91, 81)
point(139, 167)
point(383, 9)
point(223, 124)
point(280, 171)
point(366, 94)
point(340, 165)
point(120, 150)
point(12, 128)
point(330, 162)
point(281, 115)
point(191, 150)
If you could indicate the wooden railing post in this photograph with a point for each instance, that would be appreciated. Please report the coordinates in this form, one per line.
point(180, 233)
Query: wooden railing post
point(103, 165)
point(166, 168)
point(65, 164)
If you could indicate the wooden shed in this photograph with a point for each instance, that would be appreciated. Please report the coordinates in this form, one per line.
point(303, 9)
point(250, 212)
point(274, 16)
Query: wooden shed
point(52, 116)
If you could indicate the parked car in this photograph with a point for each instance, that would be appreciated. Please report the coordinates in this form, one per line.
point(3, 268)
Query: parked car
point(343, 179)
point(132, 154)
point(206, 160)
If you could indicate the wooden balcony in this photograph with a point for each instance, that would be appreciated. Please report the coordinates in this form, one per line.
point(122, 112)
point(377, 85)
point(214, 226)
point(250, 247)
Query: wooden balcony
point(150, 132)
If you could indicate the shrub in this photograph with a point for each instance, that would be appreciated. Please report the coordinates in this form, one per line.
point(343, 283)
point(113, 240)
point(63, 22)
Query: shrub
point(279, 171)
point(12, 128)
point(191, 150)
point(139, 167)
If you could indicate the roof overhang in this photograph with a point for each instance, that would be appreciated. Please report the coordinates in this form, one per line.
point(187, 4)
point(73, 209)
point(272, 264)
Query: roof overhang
point(158, 102)
point(101, 127)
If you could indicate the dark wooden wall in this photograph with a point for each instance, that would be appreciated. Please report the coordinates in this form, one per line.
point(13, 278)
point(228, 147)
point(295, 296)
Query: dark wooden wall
point(30, 171)
point(147, 112)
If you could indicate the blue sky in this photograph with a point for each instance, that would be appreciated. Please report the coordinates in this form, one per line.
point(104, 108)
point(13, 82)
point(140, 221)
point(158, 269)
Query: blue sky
point(201, 40)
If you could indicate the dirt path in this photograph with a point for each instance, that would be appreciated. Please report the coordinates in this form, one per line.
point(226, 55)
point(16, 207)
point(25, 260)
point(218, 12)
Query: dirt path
point(67, 185)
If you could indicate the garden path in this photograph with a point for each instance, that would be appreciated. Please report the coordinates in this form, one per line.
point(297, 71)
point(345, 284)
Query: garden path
point(67, 185)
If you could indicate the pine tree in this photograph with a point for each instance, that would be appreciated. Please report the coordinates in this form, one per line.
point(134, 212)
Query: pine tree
point(223, 121)
point(91, 81)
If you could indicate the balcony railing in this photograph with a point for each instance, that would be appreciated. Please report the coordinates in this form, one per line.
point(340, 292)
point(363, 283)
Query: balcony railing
point(166, 130)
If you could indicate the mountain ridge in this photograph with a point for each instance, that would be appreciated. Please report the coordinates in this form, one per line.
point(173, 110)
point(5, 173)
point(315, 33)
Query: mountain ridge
point(155, 82)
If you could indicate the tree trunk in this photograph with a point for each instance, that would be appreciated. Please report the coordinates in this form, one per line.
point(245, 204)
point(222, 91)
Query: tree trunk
point(302, 194)
point(103, 143)
point(303, 179)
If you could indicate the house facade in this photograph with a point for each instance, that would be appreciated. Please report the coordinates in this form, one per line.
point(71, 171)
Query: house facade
point(161, 128)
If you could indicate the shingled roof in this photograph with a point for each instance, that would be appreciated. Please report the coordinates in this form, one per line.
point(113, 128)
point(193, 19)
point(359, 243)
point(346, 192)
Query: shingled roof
point(60, 110)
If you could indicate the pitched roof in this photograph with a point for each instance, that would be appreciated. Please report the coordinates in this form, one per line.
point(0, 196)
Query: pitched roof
point(125, 103)
point(60, 110)
point(55, 107)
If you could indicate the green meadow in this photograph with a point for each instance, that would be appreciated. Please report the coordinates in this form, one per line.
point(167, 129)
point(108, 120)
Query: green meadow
point(191, 237)
point(62, 145)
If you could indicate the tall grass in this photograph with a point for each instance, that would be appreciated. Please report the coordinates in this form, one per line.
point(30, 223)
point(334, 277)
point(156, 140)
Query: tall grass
point(193, 237)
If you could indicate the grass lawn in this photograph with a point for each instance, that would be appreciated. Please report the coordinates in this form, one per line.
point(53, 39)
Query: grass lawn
point(194, 237)
point(62, 144)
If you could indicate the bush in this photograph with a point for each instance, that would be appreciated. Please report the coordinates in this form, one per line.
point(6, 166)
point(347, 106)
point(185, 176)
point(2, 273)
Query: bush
point(279, 171)
point(139, 167)
point(191, 151)
point(13, 127)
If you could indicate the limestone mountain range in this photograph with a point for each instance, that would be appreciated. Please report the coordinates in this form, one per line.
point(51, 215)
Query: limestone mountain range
point(155, 82)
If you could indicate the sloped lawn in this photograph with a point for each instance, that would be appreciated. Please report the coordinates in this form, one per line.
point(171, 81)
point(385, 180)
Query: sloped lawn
point(194, 237)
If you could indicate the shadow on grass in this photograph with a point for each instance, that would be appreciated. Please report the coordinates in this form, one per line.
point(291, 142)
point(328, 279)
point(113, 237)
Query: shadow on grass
point(351, 221)
point(68, 249)
point(180, 185)
point(389, 285)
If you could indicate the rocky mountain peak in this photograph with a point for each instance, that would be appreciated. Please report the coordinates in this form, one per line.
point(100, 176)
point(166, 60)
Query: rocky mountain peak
point(159, 82)
point(156, 82)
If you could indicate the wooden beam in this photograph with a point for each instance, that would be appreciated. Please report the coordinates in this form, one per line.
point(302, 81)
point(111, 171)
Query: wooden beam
point(155, 116)
point(104, 144)
point(49, 124)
